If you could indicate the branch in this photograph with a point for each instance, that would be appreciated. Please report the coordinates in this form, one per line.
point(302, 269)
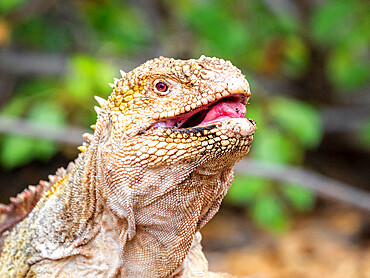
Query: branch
point(61, 134)
point(26, 63)
point(320, 184)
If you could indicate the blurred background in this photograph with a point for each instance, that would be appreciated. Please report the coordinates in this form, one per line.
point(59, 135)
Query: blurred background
point(299, 205)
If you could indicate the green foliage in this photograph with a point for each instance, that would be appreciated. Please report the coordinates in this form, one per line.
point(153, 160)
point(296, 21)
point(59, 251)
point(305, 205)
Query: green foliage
point(296, 57)
point(299, 120)
point(270, 204)
point(273, 146)
point(220, 34)
point(7, 6)
point(270, 213)
point(343, 26)
point(119, 28)
point(298, 197)
point(285, 128)
point(246, 189)
point(257, 36)
point(87, 76)
point(348, 67)
point(17, 150)
point(333, 15)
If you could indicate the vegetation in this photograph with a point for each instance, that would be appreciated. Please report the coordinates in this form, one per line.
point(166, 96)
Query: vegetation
point(302, 58)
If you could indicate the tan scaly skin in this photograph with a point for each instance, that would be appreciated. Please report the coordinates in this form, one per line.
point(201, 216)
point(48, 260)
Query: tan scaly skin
point(150, 177)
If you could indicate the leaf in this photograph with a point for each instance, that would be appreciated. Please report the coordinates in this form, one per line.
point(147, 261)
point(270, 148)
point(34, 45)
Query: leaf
point(52, 115)
point(9, 5)
point(47, 112)
point(33, 91)
point(16, 150)
point(269, 212)
point(246, 189)
point(130, 33)
point(296, 56)
point(80, 78)
point(348, 67)
point(273, 146)
point(298, 119)
point(223, 35)
point(332, 21)
point(299, 197)
point(104, 75)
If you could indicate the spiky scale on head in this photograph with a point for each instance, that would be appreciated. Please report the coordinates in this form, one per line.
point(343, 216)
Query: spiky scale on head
point(191, 84)
point(156, 101)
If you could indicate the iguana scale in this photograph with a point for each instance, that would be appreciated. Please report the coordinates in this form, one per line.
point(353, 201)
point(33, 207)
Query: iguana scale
point(151, 176)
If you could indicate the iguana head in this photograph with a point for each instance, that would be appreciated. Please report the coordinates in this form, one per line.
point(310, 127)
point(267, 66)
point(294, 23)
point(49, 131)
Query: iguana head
point(165, 145)
point(180, 109)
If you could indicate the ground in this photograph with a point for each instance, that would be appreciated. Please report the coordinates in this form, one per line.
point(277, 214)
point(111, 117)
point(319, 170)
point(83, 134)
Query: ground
point(331, 242)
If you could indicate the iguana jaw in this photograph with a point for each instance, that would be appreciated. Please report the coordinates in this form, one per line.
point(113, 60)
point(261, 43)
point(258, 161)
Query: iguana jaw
point(226, 108)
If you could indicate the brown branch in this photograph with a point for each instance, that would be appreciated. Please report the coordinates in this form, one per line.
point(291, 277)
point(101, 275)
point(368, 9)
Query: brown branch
point(322, 185)
point(61, 134)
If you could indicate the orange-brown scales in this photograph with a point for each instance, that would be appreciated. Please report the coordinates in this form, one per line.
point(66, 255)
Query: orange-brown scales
point(150, 177)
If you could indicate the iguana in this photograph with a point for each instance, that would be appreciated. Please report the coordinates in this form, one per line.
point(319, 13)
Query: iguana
point(150, 177)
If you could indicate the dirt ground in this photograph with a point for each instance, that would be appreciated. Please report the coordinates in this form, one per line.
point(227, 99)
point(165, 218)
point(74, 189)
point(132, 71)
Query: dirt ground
point(331, 242)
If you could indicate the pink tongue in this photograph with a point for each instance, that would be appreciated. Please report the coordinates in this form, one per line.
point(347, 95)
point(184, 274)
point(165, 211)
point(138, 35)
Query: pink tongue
point(224, 111)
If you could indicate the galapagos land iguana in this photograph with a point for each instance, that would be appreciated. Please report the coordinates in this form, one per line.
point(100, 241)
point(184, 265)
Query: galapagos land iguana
point(151, 176)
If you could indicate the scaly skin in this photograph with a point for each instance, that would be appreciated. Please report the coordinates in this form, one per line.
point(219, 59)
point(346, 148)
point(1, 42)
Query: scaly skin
point(143, 186)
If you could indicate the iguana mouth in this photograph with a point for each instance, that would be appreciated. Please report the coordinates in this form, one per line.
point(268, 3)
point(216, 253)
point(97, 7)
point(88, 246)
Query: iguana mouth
point(232, 106)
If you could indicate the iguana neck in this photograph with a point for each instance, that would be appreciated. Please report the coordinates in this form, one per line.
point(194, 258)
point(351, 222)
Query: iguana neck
point(80, 194)
point(165, 225)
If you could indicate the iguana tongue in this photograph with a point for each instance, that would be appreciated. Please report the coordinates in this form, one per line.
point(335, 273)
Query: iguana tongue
point(223, 111)
point(217, 113)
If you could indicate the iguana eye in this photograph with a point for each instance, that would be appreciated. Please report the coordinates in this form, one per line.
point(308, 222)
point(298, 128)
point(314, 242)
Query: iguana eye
point(161, 88)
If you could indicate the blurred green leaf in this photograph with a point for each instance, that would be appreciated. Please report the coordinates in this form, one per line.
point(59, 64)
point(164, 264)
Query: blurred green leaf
point(119, 27)
point(296, 56)
point(16, 150)
point(246, 189)
point(50, 114)
point(33, 91)
point(299, 197)
point(104, 75)
point(298, 119)
point(348, 67)
point(270, 213)
point(16, 106)
point(38, 33)
point(80, 78)
point(273, 146)
point(88, 77)
point(9, 5)
point(333, 20)
point(222, 34)
point(47, 112)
